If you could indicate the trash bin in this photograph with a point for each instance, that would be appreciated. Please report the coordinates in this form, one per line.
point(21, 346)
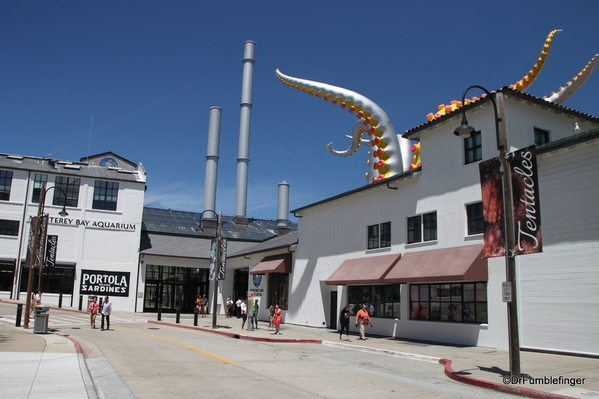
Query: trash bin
point(40, 321)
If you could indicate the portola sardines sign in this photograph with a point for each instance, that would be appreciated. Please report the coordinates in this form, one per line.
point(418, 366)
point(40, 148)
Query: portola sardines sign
point(101, 282)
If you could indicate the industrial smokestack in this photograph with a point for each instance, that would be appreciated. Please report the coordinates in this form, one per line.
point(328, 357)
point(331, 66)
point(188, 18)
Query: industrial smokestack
point(244, 134)
point(212, 163)
point(283, 208)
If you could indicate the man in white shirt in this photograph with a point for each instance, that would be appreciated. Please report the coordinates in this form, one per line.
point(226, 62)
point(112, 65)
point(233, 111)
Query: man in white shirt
point(106, 311)
point(244, 314)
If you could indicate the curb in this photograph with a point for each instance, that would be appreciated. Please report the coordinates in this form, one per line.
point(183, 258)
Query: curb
point(76, 343)
point(240, 336)
point(529, 393)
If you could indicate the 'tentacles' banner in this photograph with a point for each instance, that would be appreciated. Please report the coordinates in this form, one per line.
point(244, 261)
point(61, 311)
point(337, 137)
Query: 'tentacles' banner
point(527, 210)
point(525, 196)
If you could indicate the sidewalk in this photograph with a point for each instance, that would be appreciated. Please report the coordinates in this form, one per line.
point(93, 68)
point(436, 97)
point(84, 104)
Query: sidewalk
point(41, 366)
point(34, 357)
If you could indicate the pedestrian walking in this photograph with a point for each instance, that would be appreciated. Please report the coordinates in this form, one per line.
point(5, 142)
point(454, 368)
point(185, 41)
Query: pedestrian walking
point(244, 314)
point(36, 300)
point(362, 320)
point(238, 307)
point(106, 311)
point(204, 305)
point(198, 304)
point(277, 320)
point(271, 315)
point(229, 306)
point(344, 323)
point(255, 311)
point(94, 306)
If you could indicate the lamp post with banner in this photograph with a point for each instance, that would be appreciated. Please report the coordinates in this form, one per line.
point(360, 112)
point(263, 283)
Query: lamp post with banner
point(465, 131)
point(218, 255)
point(36, 249)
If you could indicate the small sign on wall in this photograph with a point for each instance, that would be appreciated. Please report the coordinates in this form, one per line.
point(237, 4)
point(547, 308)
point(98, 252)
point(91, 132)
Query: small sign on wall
point(506, 290)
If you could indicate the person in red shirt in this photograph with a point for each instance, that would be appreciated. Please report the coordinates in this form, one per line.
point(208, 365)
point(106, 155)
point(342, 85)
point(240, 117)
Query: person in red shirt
point(93, 311)
point(362, 320)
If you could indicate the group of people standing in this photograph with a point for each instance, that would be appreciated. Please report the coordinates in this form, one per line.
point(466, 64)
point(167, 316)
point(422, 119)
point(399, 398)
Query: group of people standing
point(104, 308)
point(362, 321)
point(275, 314)
point(202, 305)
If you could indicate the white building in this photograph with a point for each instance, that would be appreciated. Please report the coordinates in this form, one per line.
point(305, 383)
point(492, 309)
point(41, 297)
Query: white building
point(410, 246)
point(97, 248)
point(175, 258)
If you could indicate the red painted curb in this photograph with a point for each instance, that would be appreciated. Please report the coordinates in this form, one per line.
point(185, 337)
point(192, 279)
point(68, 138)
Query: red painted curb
point(77, 345)
point(240, 336)
point(529, 393)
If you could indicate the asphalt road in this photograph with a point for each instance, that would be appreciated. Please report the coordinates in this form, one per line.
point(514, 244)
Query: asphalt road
point(156, 361)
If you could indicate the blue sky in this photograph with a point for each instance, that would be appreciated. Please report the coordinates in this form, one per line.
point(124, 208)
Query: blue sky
point(147, 72)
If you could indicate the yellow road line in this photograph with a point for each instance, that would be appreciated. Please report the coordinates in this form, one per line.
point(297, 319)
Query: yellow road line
point(222, 359)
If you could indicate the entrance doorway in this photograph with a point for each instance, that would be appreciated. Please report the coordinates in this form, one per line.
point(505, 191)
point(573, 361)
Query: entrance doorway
point(174, 287)
point(333, 310)
point(240, 283)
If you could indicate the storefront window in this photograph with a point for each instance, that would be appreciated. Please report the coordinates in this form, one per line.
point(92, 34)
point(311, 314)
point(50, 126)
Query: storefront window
point(455, 302)
point(6, 276)
point(278, 289)
point(55, 280)
point(380, 300)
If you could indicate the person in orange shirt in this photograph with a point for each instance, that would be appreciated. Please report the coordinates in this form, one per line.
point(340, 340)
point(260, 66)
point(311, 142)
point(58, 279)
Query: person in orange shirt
point(362, 320)
point(93, 311)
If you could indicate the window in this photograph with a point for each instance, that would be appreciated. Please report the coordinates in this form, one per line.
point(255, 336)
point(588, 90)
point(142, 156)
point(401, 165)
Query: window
point(379, 235)
point(541, 136)
point(57, 279)
point(380, 300)
point(373, 236)
point(278, 289)
point(474, 213)
point(473, 147)
point(6, 276)
point(422, 228)
point(452, 302)
point(414, 229)
point(9, 228)
point(429, 222)
point(105, 195)
point(38, 181)
point(5, 183)
point(70, 186)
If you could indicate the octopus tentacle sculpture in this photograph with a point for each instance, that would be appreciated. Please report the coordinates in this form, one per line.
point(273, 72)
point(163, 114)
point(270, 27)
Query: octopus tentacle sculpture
point(558, 98)
point(390, 154)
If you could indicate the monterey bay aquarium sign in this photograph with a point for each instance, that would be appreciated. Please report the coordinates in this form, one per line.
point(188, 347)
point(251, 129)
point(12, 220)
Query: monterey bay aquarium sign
point(101, 282)
point(92, 223)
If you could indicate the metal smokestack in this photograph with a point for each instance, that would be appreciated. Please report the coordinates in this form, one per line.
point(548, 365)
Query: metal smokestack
point(244, 133)
point(283, 207)
point(212, 163)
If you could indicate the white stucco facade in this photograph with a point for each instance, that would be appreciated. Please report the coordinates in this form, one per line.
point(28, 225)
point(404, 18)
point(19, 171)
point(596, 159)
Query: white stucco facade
point(556, 288)
point(105, 243)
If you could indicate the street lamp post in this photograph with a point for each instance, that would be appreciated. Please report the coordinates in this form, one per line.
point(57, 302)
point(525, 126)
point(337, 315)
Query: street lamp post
point(216, 256)
point(36, 255)
point(510, 260)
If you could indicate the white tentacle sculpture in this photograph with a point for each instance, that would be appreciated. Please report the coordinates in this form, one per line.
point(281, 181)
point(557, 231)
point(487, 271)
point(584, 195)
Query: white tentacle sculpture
point(390, 154)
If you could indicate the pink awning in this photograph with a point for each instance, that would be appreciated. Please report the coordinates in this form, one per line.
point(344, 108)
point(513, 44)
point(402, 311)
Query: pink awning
point(273, 264)
point(465, 263)
point(368, 270)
